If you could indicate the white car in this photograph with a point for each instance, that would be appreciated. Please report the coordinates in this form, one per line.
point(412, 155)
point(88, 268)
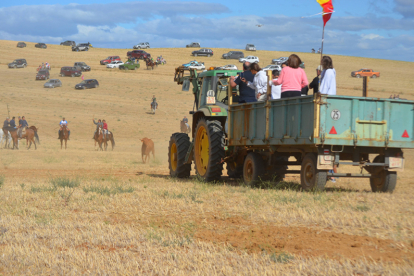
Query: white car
point(251, 59)
point(114, 64)
point(227, 67)
point(273, 67)
point(250, 47)
point(199, 66)
point(142, 45)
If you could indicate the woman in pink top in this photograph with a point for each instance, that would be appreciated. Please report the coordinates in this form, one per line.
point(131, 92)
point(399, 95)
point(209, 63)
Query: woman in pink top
point(292, 78)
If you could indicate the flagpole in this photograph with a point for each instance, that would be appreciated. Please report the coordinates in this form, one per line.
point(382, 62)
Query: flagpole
point(323, 38)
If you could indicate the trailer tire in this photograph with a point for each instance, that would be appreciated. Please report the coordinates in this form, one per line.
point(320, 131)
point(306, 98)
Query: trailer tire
point(177, 150)
point(253, 169)
point(310, 177)
point(209, 149)
point(383, 181)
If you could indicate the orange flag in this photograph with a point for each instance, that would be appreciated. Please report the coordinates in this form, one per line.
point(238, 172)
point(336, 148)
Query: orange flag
point(328, 9)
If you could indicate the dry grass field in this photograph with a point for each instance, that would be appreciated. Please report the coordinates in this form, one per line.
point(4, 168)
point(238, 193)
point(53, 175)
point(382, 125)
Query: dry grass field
point(80, 211)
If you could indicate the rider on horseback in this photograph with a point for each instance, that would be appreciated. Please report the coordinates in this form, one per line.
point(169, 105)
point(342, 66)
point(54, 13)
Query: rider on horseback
point(61, 124)
point(98, 124)
point(22, 126)
point(13, 123)
point(105, 129)
point(185, 120)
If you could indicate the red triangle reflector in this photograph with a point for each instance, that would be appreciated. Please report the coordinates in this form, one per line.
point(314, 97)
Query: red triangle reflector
point(333, 131)
point(405, 134)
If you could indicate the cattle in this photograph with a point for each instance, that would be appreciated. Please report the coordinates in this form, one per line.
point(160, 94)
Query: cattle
point(147, 148)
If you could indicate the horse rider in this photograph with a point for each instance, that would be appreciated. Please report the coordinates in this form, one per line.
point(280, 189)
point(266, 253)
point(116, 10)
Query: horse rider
point(105, 129)
point(13, 123)
point(6, 123)
point(22, 126)
point(64, 123)
point(185, 120)
point(98, 124)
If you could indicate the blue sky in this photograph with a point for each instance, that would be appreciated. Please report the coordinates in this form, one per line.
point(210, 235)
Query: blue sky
point(378, 29)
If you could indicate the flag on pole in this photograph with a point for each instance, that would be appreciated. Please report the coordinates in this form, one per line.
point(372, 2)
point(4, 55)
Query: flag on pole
point(328, 9)
point(83, 78)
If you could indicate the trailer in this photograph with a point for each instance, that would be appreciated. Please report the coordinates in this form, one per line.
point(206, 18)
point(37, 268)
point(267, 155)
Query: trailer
point(260, 141)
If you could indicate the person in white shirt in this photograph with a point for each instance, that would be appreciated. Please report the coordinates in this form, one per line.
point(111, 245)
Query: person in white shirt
point(328, 77)
point(259, 83)
point(276, 89)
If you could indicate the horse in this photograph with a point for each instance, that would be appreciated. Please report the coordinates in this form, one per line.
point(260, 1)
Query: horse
point(185, 128)
point(6, 137)
point(147, 148)
point(99, 137)
point(29, 134)
point(154, 106)
point(150, 63)
point(35, 133)
point(64, 135)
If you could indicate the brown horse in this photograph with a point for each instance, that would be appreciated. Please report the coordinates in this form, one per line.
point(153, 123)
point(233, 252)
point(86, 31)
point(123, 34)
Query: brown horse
point(184, 127)
point(30, 135)
point(64, 135)
point(99, 137)
point(150, 63)
point(147, 148)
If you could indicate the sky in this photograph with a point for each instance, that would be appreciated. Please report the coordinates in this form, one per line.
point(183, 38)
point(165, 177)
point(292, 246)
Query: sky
point(366, 28)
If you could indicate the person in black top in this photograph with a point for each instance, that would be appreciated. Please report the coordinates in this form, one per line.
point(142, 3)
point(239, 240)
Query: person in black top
point(13, 123)
point(247, 94)
point(22, 126)
point(6, 123)
point(315, 83)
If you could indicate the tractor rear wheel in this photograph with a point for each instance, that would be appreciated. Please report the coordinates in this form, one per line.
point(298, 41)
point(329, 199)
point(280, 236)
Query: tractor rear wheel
point(177, 150)
point(209, 149)
point(310, 177)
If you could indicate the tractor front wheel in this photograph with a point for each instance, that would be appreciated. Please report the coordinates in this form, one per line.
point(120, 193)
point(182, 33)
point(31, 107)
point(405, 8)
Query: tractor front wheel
point(209, 149)
point(177, 150)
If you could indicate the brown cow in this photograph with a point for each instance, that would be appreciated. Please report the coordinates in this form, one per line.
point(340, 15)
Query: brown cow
point(147, 148)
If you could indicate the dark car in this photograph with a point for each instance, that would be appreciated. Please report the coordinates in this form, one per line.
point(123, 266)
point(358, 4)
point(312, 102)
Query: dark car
point(41, 45)
point(82, 66)
point(233, 55)
point(91, 83)
point(81, 47)
point(138, 54)
point(68, 43)
point(203, 52)
point(53, 83)
point(193, 45)
point(43, 75)
point(21, 45)
point(18, 63)
point(70, 71)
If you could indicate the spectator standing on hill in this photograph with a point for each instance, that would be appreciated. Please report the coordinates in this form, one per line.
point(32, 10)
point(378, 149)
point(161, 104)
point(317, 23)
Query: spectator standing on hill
point(292, 78)
point(276, 89)
point(259, 83)
point(247, 94)
point(328, 77)
point(315, 82)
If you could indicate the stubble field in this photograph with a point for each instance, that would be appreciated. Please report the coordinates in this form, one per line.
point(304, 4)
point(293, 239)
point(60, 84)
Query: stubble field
point(81, 211)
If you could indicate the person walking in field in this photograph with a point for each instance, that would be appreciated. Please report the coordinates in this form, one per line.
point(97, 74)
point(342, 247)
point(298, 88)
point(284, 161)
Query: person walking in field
point(328, 77)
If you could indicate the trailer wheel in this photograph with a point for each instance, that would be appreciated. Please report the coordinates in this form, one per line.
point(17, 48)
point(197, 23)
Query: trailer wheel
point(383, 181)
point(253, 169)
point(310, 177)
point(209, 149)
point(177, 150)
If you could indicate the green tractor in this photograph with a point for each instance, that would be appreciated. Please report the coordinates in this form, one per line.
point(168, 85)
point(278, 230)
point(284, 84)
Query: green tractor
point(212, 94)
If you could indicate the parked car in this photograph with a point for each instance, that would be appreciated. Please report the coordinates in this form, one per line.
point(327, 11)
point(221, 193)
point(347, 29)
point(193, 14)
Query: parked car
point(280, 60)
point(142, 45)
point(109, 60)
point(18, 63)
point(227, 67)
point(129, 65)
point(21, 44)
point(41, 45)
point(82, 66)
point(193, 45)
point(81, 47)
point(365, 73)
point(193, 62)
point(114, 64)
point(233, 55)
point(70, 71)
point(198, 66)
point(138, 54)
point(203, 52)
point(43, 75)
point(68, 43)
point(53, 83)
point(91, 83)
point(251, 59)
point(273, 67)
point(250, 47)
